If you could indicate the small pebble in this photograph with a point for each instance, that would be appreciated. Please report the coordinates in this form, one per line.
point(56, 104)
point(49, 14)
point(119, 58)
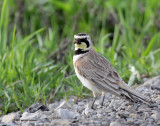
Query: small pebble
point(130, 120)
point(115, 124)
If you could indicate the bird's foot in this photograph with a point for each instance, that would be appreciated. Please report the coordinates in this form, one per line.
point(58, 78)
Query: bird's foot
point(102, 104)
point(92, 108)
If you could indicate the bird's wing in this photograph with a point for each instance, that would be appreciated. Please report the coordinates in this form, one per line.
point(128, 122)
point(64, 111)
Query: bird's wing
point(98, 69)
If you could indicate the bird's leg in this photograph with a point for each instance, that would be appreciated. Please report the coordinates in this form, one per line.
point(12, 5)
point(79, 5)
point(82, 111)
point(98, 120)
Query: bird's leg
point(93, 102)
point(95, 96)
point(103, 96)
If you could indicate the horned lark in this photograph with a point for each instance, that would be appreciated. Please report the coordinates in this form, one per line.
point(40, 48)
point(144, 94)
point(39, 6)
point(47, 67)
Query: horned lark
point(96, 73)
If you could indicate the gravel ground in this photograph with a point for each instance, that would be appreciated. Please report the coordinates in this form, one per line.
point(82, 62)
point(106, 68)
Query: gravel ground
point(115, 112)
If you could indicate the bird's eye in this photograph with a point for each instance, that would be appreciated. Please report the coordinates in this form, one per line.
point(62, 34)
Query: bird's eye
point(78, 42)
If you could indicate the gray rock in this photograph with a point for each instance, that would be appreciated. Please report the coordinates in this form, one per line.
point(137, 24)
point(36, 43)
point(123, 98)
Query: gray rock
point(122, 121)
point(156, 85)
point(133, 115)
point(78, 108)
point(61, 122)
point(156, 116)
point(115, 124)
point(123, 114)
point(64, 114)
point(146, 114)
point(99, 115)
point(88, 111)
point(93, 117)
point(44, 120)
point(46, 113)
point(157, 100)
point(130, 109)
point(150, 120)
point(130, 120)
point(81, 103)
point(53, 106)
point(142, 89)
point(108, 96)
point(38, 106)
point(76, 115)
point(89, 125)
point(150, 83)
point(97, 122)
point(29, 123)
point(10, 117)
point(46, 124)
point(8, 124)
point(115, 103)
point(105, 123)
point(154, 111)
point(138, 122)
point(26, 116)
point(112, 114)
point(108, 110)
point(100, 111)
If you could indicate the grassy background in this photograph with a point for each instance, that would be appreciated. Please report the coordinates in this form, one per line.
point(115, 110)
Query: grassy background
point(36, 45)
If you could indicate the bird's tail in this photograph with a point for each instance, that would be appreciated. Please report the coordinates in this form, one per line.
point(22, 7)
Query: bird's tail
point(133, 94)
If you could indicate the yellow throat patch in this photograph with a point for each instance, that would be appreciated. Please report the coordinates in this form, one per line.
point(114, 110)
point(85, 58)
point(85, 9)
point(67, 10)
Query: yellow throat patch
point(81, 46)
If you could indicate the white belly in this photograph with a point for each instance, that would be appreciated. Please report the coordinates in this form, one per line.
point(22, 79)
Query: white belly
point(87, 83)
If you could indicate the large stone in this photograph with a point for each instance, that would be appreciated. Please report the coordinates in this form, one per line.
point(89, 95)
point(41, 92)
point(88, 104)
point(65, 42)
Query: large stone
point(148, 84)
point(156, 85)
point(10, 117)
point(26, 116)
point(64, 114)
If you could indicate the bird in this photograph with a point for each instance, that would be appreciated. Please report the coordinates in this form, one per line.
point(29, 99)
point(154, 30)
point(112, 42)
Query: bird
point(97, 74)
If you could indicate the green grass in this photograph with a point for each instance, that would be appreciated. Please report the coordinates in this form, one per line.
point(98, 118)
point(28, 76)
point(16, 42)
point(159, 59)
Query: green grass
point(126, 32)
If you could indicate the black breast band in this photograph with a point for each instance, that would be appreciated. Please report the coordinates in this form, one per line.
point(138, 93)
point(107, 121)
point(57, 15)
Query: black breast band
point(80, 51)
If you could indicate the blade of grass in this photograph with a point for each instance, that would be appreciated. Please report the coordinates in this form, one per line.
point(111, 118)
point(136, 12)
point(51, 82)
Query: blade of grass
point(150, 45)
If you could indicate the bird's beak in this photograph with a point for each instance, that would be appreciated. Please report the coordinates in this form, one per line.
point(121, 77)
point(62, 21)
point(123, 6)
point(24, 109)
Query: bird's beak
point(75, 41)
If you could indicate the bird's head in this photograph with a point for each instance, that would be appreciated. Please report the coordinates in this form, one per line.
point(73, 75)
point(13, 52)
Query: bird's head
point(82, 41)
